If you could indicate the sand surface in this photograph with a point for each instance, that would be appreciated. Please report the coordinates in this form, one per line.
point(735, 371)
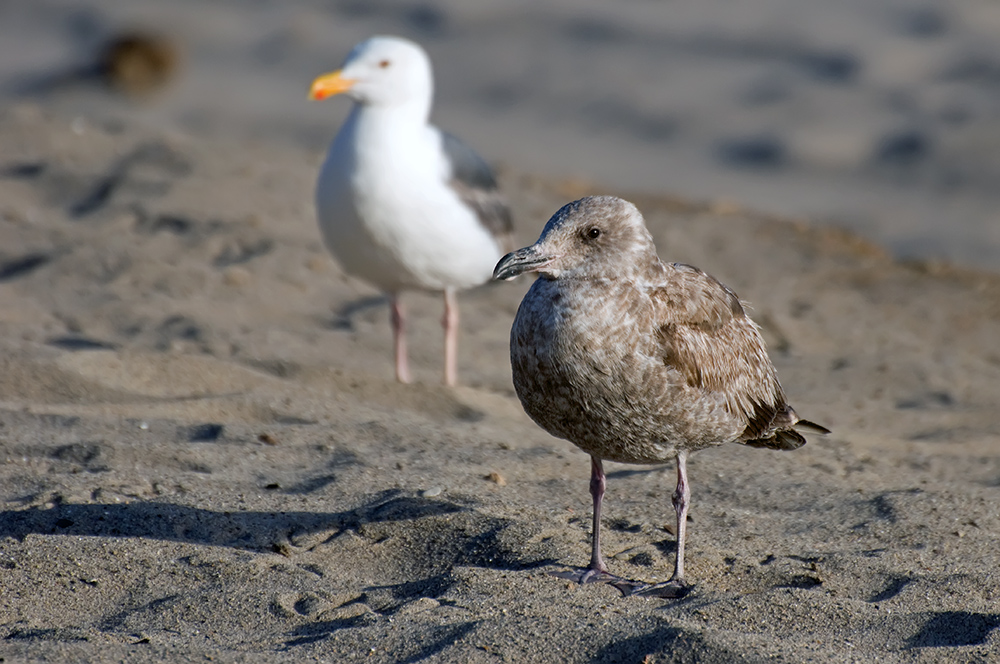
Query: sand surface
point(205, 455)
point(205, 452)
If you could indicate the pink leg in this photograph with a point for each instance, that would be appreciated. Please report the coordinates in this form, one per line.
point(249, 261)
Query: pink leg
point(398, 318)
point(597, 571)
point(676, 587)
point(598, 482)
point(681, 500)
point(450, 324)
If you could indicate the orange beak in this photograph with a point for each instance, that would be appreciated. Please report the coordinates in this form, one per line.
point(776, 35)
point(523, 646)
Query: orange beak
point(330, 84)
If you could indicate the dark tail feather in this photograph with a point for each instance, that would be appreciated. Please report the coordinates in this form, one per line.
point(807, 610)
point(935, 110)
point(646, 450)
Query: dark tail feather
point(783, 439)
point(811, 427)
point(783, 436)
point(788, 439)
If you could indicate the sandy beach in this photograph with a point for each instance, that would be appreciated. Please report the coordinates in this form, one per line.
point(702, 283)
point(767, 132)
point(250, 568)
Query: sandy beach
point(206, 457)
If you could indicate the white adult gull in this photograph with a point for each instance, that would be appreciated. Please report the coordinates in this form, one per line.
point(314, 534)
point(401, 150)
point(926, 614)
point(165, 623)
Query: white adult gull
point(400, 203)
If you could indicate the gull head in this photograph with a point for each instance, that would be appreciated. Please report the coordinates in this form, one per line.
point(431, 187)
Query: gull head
point(597, 237)
point(380, 71)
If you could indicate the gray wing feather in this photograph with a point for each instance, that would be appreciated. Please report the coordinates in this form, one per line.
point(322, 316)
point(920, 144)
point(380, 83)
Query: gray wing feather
point(474, 182)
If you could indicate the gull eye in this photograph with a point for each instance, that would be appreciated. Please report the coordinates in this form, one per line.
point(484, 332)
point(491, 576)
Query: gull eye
point(384, 64)
point(593, 233)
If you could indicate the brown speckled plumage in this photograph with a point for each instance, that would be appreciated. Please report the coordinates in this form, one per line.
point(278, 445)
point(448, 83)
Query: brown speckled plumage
point(635, 360)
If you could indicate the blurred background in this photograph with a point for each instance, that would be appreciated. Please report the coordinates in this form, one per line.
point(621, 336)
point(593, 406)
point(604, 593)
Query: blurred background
point(881, 116)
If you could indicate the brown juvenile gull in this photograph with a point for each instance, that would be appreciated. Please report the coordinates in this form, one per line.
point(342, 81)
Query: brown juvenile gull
point(637, 361)
point(401, 204)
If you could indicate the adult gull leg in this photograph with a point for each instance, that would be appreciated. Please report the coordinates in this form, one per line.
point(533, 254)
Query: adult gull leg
point(450, 324)
point(398, 317)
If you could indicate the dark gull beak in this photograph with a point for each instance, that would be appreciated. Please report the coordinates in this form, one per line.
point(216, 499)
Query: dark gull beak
point(518, 262)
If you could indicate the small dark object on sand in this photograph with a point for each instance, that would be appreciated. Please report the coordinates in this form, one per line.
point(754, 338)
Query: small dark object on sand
point(637, 361)
point(138, 63)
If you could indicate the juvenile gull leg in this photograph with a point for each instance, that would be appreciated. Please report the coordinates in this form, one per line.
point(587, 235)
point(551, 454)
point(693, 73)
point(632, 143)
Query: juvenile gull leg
point(450, 324)
point(681, 499)
point(398, 316)
point(597, 571)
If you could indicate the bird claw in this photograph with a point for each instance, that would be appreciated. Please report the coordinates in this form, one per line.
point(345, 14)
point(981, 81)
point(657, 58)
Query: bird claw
point(588, 575)
point(668, 590)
